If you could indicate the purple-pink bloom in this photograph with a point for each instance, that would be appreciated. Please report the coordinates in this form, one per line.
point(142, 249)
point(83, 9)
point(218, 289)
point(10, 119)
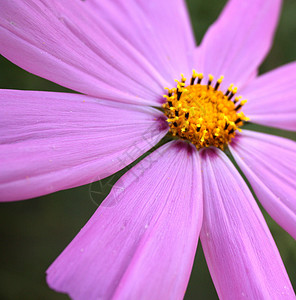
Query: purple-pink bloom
point(141, 242)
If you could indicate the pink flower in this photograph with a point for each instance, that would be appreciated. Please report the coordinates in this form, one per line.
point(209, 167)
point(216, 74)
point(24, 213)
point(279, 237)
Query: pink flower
point(141, 242)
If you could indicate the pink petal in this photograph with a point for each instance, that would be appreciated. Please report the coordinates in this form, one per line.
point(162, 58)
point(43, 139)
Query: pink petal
point(160, 30)
point(271, 98)
point(241, 255)
point(236, 44)
point(54, 141)
point(141, 242)
point(99, 49)
point(269, 164)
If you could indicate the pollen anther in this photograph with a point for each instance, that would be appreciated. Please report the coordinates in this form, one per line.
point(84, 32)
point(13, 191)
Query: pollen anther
point(202, 114)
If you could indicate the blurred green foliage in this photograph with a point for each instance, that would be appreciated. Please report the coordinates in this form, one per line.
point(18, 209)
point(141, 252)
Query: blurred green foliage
point(34, 232)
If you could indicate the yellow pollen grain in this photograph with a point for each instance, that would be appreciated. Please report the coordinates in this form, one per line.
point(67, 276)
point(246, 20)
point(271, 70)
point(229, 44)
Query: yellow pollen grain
point(201, 113)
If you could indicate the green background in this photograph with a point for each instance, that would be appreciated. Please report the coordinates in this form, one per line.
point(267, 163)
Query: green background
point(34, 232)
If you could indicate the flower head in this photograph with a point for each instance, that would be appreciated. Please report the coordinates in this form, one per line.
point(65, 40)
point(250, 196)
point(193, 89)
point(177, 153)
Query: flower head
point(202, 114)
point(141, 242)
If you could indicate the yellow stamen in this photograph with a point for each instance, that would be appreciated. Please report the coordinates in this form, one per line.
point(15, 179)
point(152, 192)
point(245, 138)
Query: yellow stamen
point(202, 114)
point(200, 75)
point(220, 79)
point(183, 79)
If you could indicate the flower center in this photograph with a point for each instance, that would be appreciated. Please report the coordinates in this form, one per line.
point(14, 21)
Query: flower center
point(202, 114)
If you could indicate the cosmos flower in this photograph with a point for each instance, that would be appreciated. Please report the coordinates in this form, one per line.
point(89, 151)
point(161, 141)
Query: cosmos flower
point(120, 55)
